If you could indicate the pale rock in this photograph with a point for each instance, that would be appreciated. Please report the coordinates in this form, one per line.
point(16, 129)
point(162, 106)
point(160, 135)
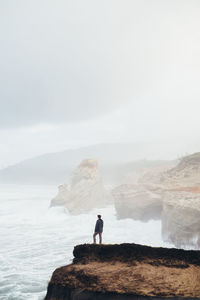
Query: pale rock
point(86, 189)
point(181, 203)
point(139, 202)
point(155, 175)
point(181, 218)
point(62, 196)
point(185, 174)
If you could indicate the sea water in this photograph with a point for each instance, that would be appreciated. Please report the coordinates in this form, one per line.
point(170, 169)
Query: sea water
point(36, 239)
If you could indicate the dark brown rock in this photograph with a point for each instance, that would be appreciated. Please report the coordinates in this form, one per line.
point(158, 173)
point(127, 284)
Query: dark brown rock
point(127, 271)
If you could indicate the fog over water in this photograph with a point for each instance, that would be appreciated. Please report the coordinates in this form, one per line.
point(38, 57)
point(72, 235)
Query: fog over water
point(77, 74)
point(35, 239)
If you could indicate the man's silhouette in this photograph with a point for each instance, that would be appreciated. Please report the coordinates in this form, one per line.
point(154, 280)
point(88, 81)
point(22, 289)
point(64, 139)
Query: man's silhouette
point(98, 230)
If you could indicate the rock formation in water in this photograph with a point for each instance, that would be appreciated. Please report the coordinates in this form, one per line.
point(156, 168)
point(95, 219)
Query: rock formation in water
point(63, 194)
point(127, 272)
point(139, 202)
point(86, 190)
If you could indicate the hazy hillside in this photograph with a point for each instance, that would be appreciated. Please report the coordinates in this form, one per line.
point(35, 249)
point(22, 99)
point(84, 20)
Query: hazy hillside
point(115, 160)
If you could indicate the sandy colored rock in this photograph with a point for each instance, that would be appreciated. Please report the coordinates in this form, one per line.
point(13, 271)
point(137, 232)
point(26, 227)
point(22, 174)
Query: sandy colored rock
point(181, 217)
point(139, 202)
point(181, 203)
point(180, 194)
point(186, 173)
point(63, 194)
point(86, 190)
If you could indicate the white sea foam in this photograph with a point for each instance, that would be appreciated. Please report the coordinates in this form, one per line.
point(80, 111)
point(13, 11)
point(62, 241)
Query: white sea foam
point(36, 239)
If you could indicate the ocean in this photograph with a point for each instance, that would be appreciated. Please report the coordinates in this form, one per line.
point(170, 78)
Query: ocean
point(36, 239)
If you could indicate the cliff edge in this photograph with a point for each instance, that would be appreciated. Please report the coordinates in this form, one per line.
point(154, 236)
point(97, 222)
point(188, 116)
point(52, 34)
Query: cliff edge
point(127, 271)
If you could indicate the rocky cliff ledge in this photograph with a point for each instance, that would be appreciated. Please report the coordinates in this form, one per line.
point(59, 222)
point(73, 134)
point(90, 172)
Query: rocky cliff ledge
point(127, 271)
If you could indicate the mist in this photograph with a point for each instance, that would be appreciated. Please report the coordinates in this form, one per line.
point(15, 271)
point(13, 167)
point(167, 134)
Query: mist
point(75, 74)
point(99, 115)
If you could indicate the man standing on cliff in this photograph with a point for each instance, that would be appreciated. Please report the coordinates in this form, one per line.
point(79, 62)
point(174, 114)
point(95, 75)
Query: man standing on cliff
point(98, 229)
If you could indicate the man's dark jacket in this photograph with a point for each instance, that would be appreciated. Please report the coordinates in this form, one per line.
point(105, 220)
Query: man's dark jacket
point(99, 226)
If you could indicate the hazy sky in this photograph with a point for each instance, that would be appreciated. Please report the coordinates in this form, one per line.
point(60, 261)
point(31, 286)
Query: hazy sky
point(81, 72)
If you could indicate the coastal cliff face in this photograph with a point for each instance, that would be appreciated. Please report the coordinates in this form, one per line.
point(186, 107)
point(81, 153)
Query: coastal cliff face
point(127, 271)
point(181, 218)
point(186, 173)
point(139, 202)
point(172, 195)
point(181, 203)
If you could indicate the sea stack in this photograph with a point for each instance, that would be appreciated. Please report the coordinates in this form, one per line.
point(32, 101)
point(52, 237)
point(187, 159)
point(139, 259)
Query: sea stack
point(85, 190)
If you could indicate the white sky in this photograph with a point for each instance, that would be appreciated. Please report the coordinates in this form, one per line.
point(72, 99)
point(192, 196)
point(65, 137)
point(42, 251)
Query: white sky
point(76, 73)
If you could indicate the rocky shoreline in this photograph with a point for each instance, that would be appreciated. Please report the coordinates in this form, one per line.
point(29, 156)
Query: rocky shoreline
point(127, 271)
